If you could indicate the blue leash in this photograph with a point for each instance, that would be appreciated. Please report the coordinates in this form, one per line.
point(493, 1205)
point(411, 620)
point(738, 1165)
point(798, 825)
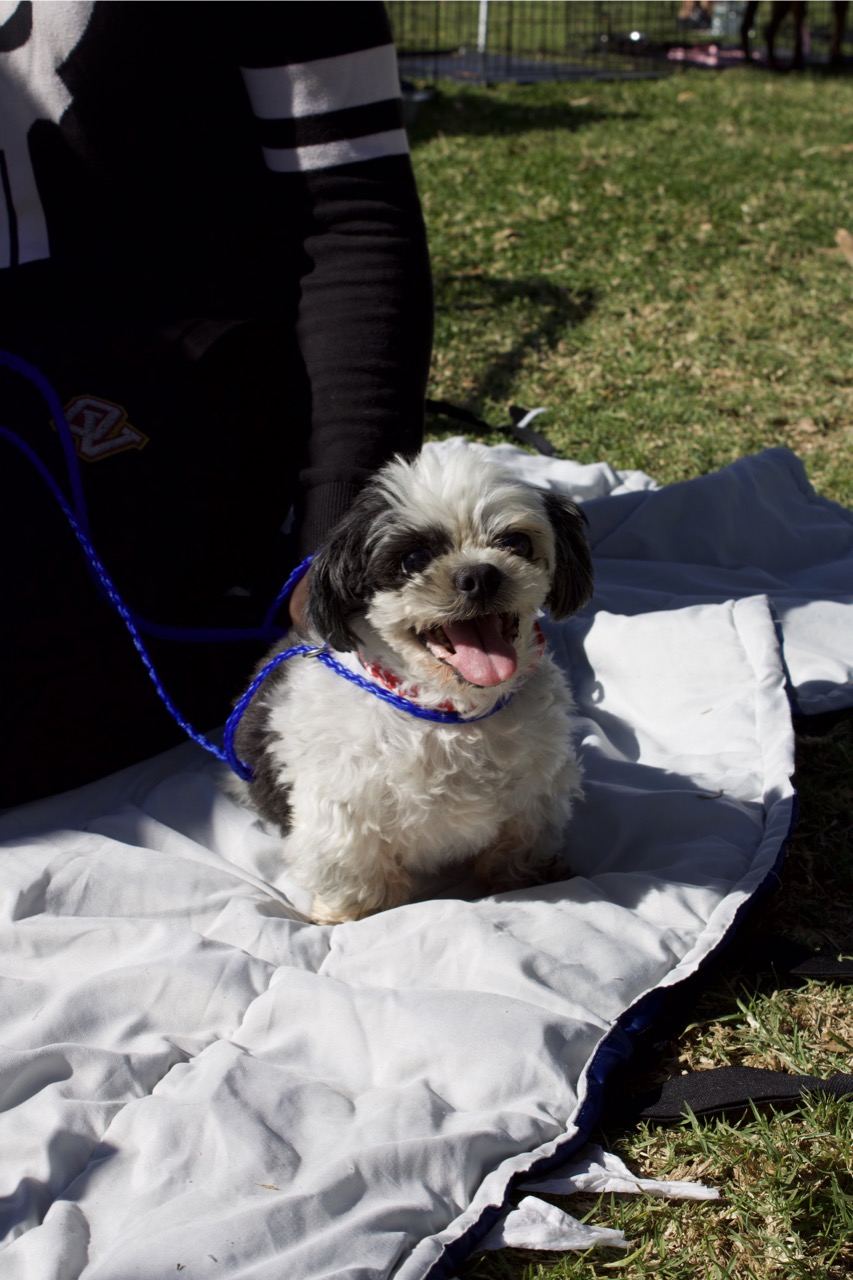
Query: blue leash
point(76, 514)
point(323, 655)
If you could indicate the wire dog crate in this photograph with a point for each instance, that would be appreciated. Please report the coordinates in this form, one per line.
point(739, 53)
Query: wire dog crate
point(530, 40)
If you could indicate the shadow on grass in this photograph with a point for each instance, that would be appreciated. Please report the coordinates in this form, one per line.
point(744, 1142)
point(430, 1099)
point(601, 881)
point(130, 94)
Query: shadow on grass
point(555, 312)
point(488, 115)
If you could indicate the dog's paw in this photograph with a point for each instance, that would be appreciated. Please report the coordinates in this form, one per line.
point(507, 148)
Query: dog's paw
point(391, 894)
point(327, 913)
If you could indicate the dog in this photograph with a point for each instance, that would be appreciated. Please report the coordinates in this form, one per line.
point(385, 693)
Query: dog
point(430, 587)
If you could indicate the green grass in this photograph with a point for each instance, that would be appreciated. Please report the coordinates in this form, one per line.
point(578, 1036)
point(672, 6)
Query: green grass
point(656, 262)
point(787, 1211)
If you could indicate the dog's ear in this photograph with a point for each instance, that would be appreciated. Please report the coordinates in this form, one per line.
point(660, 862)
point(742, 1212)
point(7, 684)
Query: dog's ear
point(338, 586)
point(572, 583)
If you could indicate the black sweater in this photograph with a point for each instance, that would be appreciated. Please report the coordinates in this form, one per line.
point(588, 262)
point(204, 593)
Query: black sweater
point(211, 244)
point(175, 168)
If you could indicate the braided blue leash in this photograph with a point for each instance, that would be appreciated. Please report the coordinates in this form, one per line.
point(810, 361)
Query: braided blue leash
point(403, 704)
point(136, 625)
point(323, 655)
point(77, 517)
point(110, 591)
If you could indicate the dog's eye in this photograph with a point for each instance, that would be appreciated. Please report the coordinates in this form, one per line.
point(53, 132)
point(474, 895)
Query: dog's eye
point(417, 560)
point(518, 543)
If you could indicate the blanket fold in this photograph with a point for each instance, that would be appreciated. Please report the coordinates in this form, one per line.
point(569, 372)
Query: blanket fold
point(196, 1078)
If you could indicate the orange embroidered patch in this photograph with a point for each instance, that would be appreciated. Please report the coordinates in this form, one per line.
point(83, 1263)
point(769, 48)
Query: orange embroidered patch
point(100, 428)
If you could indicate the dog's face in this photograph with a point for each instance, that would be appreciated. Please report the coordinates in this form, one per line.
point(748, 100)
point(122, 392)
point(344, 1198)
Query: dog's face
point(446, 561)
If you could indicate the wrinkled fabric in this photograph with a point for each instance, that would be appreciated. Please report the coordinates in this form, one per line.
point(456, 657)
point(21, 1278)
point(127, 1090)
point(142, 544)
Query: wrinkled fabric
point(194, 1077)
point(538, 1225)
point(599, 1172)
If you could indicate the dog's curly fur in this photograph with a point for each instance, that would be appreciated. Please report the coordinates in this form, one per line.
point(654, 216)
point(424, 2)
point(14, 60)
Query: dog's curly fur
point(370, 799)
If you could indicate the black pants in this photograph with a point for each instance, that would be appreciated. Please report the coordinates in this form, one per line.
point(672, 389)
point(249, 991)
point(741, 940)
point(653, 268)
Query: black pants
point(190, 443)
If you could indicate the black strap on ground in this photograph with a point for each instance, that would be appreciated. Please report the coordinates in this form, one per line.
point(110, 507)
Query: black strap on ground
point(726, 1090)
point(829, 967)
point(733, 1089)
point(787, 959)
point(444, 409)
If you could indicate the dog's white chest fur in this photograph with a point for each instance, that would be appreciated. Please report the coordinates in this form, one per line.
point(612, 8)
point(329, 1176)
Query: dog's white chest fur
point(437, 574)
point(411, 796)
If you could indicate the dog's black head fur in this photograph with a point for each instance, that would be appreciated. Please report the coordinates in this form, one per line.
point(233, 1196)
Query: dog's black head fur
point(340, 582)
point(351, 566)
point(573, 576)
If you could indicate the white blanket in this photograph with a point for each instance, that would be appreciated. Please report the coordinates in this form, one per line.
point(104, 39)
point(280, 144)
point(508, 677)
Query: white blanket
point(196, 1080)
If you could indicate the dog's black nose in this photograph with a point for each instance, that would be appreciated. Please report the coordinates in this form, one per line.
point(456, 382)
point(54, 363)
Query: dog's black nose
point(479, 582)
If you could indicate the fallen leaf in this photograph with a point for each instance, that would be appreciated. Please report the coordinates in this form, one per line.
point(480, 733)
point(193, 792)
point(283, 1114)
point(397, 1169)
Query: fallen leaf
point(844, 240)
point(831, 147)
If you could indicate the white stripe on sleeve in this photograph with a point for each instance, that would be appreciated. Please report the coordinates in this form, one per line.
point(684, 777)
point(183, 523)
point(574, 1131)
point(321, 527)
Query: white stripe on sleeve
point(326, 155)
point(327, 84)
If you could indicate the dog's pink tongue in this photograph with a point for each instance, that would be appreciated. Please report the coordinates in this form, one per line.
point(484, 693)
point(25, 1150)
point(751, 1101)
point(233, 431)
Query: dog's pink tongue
point(482, 655)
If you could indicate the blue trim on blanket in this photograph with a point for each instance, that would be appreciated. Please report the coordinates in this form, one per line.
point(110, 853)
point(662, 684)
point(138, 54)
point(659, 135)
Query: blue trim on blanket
point(614, 1050)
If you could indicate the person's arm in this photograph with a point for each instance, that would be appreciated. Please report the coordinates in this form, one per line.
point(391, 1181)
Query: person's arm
point(323, 83)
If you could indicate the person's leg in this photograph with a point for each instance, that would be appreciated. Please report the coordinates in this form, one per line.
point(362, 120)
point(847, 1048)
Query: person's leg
point(836, 32)
point(798, 15)
point(778, 12)
point(749, 12)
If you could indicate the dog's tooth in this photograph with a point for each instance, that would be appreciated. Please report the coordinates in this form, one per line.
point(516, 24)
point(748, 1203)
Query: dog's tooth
point(436, 636)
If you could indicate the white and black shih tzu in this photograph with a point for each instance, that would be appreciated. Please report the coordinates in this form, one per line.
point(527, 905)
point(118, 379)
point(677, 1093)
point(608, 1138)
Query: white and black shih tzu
point(431, 586)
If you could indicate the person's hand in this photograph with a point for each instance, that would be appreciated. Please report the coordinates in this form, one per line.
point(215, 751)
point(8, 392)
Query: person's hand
point(298, 604)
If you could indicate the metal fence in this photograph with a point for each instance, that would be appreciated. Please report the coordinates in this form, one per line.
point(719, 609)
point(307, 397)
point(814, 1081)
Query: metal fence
point(529, 40)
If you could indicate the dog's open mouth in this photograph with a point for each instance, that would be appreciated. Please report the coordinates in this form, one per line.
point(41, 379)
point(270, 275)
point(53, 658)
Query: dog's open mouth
point(480, 650)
